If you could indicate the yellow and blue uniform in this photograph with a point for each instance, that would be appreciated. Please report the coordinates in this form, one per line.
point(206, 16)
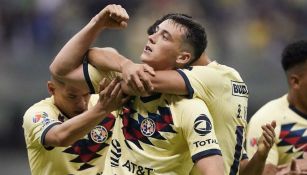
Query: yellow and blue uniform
point(159, 134)
point(226, 96)
point(85, 156)
point(291, 131)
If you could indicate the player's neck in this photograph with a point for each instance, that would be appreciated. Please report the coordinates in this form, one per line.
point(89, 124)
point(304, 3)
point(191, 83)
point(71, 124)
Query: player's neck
point(297, 102)
point(204, 60)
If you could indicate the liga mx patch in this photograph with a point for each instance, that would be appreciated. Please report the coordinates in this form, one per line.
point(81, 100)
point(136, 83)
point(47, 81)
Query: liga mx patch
point(99, 134)
point(38, 116)
point(239, 89)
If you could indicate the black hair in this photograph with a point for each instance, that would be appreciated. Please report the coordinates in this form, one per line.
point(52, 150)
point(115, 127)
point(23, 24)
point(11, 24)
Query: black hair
point(195, 34)
point(294, 54)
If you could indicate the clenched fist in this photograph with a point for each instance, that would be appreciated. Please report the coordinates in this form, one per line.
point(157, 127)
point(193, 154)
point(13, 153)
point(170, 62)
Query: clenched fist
point(112, 17)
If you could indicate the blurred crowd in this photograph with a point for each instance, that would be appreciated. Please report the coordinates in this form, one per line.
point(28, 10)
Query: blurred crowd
point(247, 35)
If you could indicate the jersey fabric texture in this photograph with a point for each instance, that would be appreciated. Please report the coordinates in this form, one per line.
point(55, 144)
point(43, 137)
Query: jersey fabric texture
point(291, 131)
point(85, 156)
point(226, 96)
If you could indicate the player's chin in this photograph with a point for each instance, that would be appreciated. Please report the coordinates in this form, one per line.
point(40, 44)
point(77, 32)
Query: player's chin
point(78, 112)
point(145, 58)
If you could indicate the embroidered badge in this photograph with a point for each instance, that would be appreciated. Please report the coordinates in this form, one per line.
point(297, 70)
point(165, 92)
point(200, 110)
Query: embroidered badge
point(38, 116)
point(148, 127)
point(99, 134)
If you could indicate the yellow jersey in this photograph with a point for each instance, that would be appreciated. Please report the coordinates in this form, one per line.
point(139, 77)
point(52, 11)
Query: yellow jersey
point(291, 131)
point(85, 156)
point(226, 96)
point(159, 134)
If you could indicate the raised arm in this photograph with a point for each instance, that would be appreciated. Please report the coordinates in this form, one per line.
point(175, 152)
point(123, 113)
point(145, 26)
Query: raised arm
point(71, 55)
point(256, 165)
point(67, 67)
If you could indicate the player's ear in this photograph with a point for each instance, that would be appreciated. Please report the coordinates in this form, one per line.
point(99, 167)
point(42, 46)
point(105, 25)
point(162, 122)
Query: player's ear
point(183, 59)
point(294, 81)
point(51, 87)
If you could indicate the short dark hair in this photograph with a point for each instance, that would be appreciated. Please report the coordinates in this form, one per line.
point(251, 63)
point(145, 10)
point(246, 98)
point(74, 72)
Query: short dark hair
point(195, 34)
point(294, 54)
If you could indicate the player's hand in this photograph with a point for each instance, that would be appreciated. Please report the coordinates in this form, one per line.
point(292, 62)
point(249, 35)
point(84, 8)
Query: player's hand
point(136, 76)
point(302, 163)
point(112, 17)
point(111, 96)
point(266, 141)
point(292, 168)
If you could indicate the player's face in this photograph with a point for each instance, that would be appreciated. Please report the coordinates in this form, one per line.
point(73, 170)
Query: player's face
point(303, 86)
point(163, 46)
point(71, 100)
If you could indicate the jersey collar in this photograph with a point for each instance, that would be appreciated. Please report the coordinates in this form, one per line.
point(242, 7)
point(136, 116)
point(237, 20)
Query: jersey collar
point(294, 109)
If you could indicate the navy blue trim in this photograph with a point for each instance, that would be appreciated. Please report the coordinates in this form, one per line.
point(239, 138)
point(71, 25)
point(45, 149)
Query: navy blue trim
point(187, 83)
point(45, 132)
point(238, 151)
point(244, 156)
point(190, 68)
point(87, 76)
point(207, 153)
point(293, 108)
point(150, 98)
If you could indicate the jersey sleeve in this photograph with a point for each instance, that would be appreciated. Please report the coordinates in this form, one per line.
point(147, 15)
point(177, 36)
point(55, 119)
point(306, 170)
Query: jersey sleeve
point(198, 130)
point(36, 124)
point(200, 81)
point(254, 132)
point(93, 76)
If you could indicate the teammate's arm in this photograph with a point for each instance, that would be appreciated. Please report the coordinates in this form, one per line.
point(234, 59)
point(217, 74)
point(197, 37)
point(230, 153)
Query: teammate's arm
point(139, 77)
point(211, 165)
point(68, 132)
point(67, 67)
point(71, 55)
point(256, 165)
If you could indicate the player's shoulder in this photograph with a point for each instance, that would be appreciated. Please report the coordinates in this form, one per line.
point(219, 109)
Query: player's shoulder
point(227, 71)
point(217, 69)
point(271, 109)
point(221, 67)
point(182, 104)
point(45, 105)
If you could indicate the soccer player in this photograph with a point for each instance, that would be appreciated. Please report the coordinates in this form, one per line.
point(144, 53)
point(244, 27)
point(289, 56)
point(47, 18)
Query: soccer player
point(63, 137)
point(221, 88)
point(157, 134)
point(69, 132)
point(290, 113)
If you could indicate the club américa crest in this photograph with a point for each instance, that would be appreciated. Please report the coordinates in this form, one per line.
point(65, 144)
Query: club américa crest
point(148, 127)
point(99, 134)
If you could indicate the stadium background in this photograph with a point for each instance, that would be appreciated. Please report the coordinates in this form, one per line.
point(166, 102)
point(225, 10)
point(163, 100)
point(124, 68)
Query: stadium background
point(247, 35)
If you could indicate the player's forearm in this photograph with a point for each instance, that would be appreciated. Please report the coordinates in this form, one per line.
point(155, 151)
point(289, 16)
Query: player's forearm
point(107, 59)
point(169, 82)
point(270, 169)
point(254, 166)
point(75, 128)
point(211, 165)
point(71, 55)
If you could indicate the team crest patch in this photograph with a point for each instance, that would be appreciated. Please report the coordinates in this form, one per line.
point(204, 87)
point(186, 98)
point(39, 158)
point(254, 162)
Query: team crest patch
point(148, 127)
point(202, 125)
point(38, 116)
point(99, 134)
